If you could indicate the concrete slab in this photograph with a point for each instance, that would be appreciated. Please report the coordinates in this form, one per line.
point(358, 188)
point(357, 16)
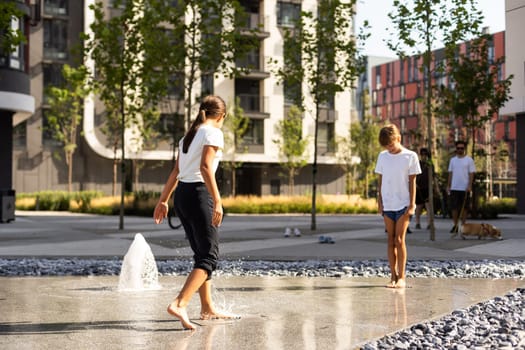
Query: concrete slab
point(277, 313)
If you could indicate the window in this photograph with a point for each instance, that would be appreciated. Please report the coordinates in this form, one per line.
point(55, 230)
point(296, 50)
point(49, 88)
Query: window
point(409, 69)
point(171, 126)
point(47, 133)
point(378, 77)
point(254, 134)
point(491, 54)
point(20, 134)
point(56, 7)
point(288, 13)
point(176, 86)
point(55, 39)
point(14, 60)
point(206, 85)
point(52, 76)
point(250, 99)
point(326, 137)
point(402, 72)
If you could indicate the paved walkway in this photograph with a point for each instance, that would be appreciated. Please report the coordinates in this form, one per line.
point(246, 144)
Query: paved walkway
point(277, 313)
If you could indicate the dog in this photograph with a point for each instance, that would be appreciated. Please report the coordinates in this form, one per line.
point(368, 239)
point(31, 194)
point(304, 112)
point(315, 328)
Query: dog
point(481, 230)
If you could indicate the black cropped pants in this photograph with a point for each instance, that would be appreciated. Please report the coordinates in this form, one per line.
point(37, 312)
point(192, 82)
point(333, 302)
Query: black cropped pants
point(194, 206)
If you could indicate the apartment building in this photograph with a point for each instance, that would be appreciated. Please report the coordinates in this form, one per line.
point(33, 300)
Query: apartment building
point(397, 95)
point(16, 102)
point(515, 54)
point(53, 40)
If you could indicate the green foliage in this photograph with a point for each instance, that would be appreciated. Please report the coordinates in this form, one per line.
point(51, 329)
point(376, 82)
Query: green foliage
point(199, 43)
point(9, 38)
point(365, 144)
point(65, 112)
point(476, 84)
point(292, 145)
point(58, 200)
point(491, 209)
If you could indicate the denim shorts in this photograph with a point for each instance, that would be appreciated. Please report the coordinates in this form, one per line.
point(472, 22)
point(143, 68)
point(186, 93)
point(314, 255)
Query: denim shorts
point(394, 215)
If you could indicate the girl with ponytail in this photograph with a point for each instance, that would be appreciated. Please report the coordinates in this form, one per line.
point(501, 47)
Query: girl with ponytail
point(197, 202)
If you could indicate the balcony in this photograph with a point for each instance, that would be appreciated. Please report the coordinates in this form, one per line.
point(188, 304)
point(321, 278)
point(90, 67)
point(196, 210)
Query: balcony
point(255, 64)
point(255, 106)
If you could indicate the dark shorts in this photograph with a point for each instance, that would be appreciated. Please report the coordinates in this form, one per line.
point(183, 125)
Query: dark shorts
point(421, 196)
point(394, 215)
point(194, 207)
point(458, 199)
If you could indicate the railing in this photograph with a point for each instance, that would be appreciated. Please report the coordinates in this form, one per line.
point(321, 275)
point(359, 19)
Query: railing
point(253, 103)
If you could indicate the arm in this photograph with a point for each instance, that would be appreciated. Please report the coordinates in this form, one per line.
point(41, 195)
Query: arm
point(206, 167)
point(161, 209)
point(412, 191)
point(379, 198)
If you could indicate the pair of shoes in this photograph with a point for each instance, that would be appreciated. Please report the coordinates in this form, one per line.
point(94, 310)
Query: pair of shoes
point(287, 232)
point(409, 230)
point(296, 232)
point(454, 229)
point(418, 226)
point(326, 239)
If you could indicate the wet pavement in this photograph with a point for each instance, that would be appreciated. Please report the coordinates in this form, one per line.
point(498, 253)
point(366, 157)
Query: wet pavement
point(277, 312)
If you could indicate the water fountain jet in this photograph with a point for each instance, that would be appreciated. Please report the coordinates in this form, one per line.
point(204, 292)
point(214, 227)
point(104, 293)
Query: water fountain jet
point(139, 268)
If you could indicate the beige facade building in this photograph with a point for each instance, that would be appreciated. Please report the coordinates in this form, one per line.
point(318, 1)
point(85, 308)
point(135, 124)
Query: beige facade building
point(36, 166)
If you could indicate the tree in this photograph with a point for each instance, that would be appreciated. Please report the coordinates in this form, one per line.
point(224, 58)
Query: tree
point(324, 57)
point(205, 37)
point(235, 126)
point(10, 37)
point(65, 112)
point(421, 25)
point(365, 144)
point(126, 78)
point(292, 145)
point(476, 93)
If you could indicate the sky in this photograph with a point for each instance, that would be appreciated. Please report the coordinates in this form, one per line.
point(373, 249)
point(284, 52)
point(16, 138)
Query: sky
point(376, 12)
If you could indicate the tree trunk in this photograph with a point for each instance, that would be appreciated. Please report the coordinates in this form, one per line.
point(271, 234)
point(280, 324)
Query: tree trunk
point(69, 161)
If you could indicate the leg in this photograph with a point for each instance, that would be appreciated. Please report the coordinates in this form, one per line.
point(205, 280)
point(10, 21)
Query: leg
point(177, 308)
point(401, 250)
point(419, 210)
point(208, 310)
point(391, 249)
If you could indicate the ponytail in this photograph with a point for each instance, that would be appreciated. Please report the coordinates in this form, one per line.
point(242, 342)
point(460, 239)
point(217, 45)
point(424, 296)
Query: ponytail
point(201, 118)
point(211, 107)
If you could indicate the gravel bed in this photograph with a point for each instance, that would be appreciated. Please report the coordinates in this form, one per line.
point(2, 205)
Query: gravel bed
point(495, 324)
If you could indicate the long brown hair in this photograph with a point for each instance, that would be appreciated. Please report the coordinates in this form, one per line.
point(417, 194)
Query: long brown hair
point(211, 107)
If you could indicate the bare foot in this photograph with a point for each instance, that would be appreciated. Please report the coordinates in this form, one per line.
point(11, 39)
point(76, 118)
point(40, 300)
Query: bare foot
point(400, 283)
point(214, 315)
point(391, 284)
point(181, 314)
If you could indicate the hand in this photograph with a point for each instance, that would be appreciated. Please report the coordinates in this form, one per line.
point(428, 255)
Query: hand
point(160, 212)
point(411, 210)
point(217, 215)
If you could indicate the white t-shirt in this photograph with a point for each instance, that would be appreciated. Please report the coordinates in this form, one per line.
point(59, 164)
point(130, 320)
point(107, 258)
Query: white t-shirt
point(461, 168)
point(190, 162)
point(395, 169)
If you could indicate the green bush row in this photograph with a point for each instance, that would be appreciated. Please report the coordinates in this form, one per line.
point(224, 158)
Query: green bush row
point(143, 203)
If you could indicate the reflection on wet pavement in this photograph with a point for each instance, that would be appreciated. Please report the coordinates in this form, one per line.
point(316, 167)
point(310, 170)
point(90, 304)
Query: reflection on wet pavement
point(277, 312)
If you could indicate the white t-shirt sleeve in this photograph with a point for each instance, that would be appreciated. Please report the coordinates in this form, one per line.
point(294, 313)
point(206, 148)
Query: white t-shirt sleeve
point(214, 137)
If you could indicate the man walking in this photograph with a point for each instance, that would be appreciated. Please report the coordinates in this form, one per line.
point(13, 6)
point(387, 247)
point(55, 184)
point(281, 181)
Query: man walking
point(461, 171)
